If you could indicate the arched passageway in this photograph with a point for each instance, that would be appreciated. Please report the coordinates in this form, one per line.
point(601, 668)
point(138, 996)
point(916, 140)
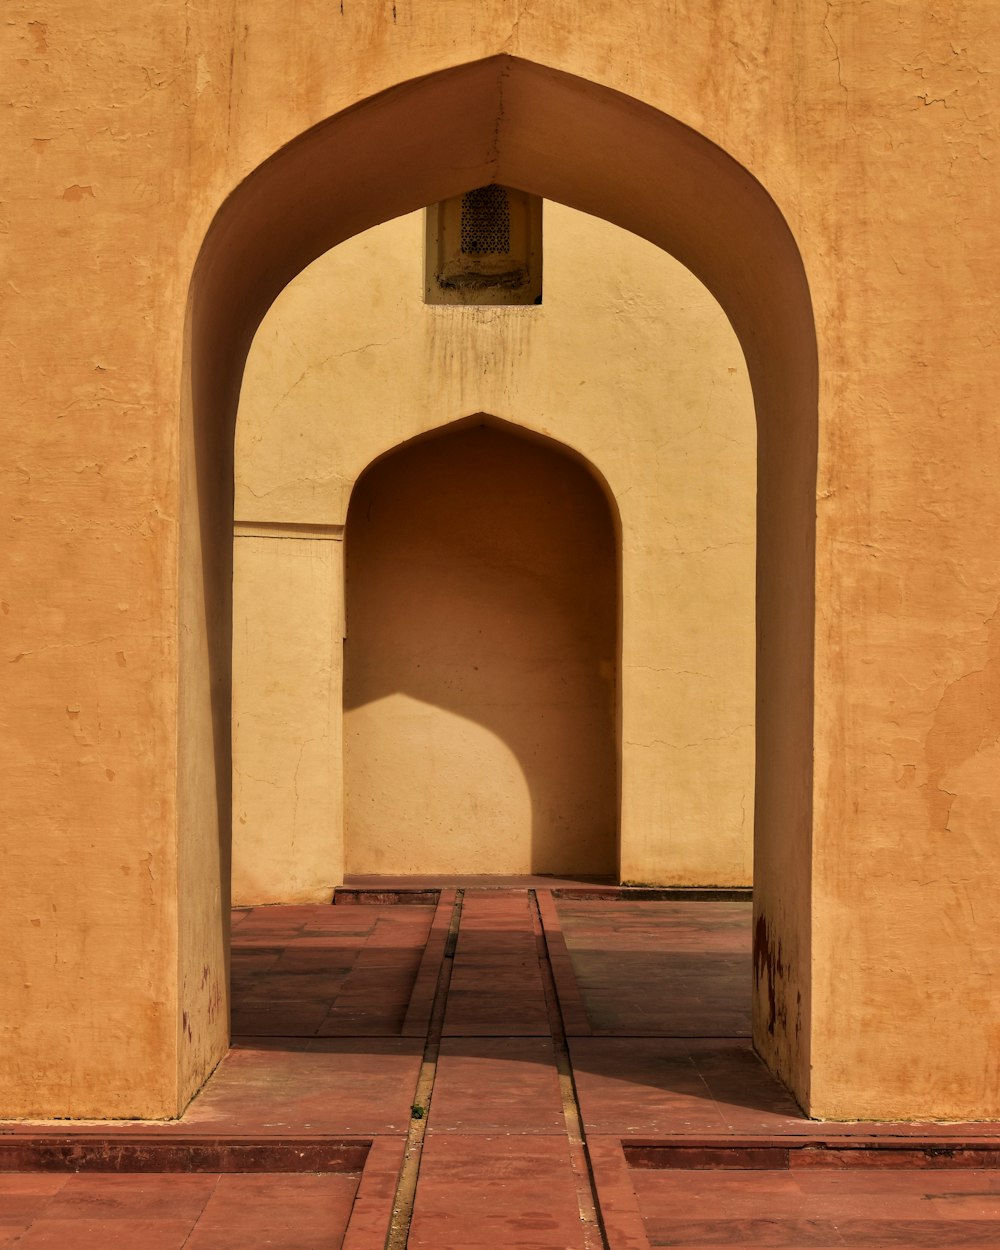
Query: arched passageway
point(631, 363)
point(480, 661)
point(554, 135)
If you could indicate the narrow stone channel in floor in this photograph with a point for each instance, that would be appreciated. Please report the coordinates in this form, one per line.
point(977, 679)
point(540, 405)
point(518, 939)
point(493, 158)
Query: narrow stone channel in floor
point(503, 1160)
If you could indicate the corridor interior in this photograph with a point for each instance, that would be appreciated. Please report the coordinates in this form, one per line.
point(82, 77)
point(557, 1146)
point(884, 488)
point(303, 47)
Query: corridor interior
point(541, 1065)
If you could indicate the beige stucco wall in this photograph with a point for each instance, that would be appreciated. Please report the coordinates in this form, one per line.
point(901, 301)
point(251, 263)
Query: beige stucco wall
point(630, 363)
point(287, 669)
point(873, 127)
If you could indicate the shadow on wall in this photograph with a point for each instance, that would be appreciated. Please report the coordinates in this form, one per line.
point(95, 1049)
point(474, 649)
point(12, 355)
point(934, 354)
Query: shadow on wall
point(481, 659)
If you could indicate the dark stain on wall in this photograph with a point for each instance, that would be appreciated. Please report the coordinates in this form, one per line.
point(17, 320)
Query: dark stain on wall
point(768, 961)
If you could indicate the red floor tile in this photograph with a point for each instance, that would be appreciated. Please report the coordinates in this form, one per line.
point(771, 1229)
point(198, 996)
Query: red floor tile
point(496, 984)
point(171, 1211)
point(127, 1196)
point(325, 971)
point(496, 1085)
point(371, 1214)
point(624, 1228)
point(84, 1233)
point(662, 1087)
point(418, 1012)
point(661, 968)
point(250, 1212)
point(320, 1086)
point(518, 1193)
point(844, 1208)
point(24, 1195)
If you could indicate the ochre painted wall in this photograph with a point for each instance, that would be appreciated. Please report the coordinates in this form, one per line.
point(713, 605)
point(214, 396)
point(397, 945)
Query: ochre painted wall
point(874, 130)
point(632, 364)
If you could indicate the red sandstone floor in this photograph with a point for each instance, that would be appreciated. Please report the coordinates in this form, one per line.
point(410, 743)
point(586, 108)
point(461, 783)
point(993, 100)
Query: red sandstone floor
point(533, 1069)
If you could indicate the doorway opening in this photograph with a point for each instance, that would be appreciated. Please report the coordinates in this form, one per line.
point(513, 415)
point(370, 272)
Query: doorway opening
point(480, 661)
point(547, 133)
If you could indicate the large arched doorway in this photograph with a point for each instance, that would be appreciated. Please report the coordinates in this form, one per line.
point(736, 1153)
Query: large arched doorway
point(554, 135)
point(480, 661)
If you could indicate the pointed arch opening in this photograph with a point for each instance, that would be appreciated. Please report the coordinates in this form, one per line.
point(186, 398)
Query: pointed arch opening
point(480, 659)
point(551, 134)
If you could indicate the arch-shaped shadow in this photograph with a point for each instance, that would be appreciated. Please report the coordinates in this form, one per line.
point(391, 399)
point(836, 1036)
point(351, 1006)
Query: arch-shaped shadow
point(594, 149)
point(482, 643)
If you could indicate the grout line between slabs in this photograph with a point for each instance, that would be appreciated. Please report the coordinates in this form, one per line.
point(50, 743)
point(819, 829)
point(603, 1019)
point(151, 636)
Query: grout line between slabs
point(406, 1187)
point(594, 1232)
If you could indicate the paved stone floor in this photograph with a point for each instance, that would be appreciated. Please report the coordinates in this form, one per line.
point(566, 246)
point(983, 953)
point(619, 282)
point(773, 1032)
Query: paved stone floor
point(540, 1067)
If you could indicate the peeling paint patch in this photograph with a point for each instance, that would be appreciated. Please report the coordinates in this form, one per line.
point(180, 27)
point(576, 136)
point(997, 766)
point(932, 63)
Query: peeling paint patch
point(965, 723)
point(203, 75)
point(76, 192)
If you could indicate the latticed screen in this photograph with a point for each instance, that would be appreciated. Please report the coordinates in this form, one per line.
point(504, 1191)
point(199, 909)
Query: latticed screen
point(485, 221)
point(485, 247)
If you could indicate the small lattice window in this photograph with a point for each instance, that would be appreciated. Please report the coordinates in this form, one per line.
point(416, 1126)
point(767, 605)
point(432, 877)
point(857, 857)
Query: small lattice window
point(484, 247)
point(485, 221)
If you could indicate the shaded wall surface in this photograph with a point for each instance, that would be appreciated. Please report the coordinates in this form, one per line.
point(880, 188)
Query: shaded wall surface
point(873, 129)
point(481, 659)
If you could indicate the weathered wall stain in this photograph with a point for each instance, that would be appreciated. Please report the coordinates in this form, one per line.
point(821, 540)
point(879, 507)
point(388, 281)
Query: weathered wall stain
point(769, 974)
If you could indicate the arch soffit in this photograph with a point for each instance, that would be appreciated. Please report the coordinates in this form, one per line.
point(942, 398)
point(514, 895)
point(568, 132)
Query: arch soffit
point(512, 428)
point(528, 126)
